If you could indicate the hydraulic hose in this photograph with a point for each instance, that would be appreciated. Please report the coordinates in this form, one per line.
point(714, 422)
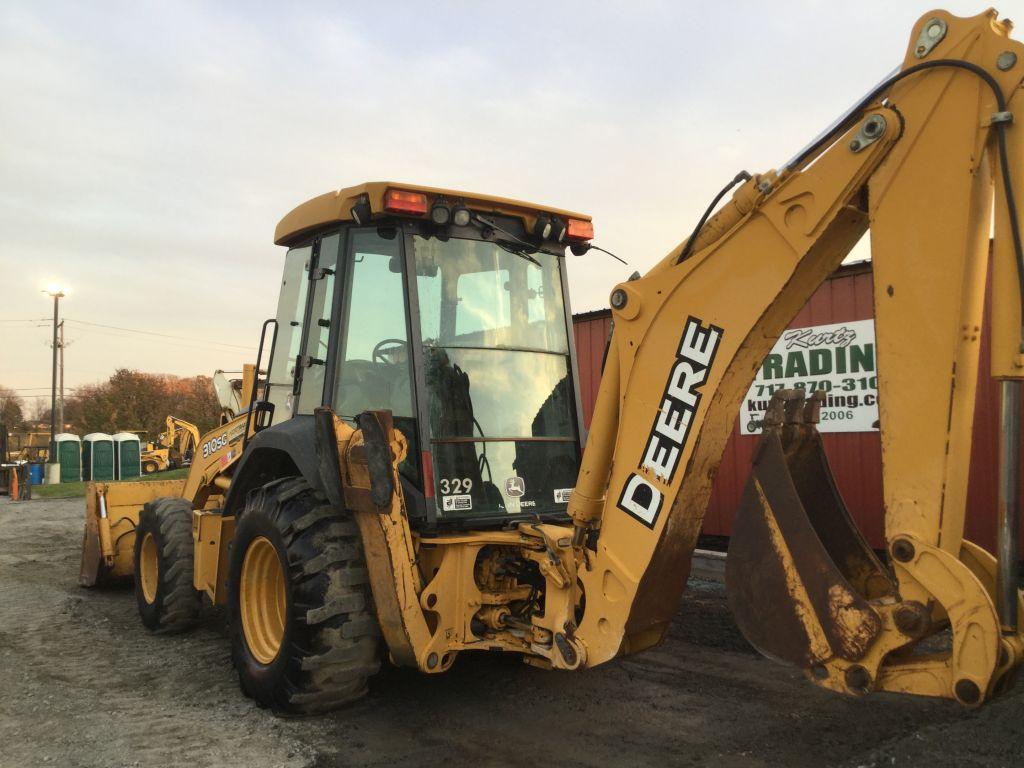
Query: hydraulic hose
point(1004, 160)
point(854, 114)
point(685, 253)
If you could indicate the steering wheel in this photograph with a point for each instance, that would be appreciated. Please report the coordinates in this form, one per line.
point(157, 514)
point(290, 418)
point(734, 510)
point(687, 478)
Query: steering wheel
point(386, 346)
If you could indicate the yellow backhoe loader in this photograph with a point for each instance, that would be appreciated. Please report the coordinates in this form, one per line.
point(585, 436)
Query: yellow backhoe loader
point(113, 509)
point(413, 475)
point(174, 447)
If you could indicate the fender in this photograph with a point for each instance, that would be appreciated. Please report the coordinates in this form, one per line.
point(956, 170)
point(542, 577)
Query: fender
point(288, 448)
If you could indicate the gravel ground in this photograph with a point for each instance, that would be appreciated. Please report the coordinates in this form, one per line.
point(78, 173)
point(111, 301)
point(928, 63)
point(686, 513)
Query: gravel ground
point(83, 684)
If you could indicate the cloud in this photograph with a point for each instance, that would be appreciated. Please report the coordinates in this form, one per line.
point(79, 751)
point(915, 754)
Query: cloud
point(149, 149)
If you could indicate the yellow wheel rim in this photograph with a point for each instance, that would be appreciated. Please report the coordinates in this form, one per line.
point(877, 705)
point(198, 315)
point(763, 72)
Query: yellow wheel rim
point(261, 597)
point(149, 568)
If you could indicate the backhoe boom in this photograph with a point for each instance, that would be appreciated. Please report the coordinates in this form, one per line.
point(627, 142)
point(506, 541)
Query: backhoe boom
point(921, 166)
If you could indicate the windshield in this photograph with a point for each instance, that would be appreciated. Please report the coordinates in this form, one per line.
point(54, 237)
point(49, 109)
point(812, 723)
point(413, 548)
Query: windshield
point(476, 294)
point(497, 370)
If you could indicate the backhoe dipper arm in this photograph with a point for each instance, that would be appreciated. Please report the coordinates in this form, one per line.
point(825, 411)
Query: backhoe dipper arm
point(182, 432)
point(921, 164)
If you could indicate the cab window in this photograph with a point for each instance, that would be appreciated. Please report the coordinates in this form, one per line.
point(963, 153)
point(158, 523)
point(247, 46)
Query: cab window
point(374, 367)
point(311, 391)
point(291, 310)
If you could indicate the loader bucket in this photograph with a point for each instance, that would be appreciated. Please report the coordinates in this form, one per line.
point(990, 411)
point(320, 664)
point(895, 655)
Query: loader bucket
point(111, 514)
point(799, 573)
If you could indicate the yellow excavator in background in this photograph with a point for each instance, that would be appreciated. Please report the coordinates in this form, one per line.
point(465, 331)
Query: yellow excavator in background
point(174, 447)
point(413, 474)
point(113, 508)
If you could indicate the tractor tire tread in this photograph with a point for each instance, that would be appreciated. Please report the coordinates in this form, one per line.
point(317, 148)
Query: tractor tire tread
point(179, 605)
point(331, 645)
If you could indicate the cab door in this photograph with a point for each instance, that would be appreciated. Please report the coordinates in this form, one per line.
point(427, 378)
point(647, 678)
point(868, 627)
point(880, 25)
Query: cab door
point(291, 314)
point(311, 366)
point(373, 369)
point(305, 314)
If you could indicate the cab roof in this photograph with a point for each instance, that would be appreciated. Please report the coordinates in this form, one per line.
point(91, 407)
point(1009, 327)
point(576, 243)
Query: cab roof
point(335, 207)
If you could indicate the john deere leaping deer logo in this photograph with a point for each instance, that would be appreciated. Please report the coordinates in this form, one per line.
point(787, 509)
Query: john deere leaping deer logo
point(515, 487)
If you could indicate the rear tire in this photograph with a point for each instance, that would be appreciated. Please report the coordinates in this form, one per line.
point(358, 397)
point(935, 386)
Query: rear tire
point(163, 566)
point(304, 638)
point(149, 467)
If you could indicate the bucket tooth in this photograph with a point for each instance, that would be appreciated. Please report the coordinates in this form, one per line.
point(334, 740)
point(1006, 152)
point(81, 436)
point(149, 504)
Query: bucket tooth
point(799, 575)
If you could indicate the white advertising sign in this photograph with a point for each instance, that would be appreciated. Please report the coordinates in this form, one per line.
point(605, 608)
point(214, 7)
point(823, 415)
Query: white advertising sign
point(838, 358)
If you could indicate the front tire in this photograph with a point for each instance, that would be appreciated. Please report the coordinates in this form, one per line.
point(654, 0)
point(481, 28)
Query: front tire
point(164, 554)
point(303, 635)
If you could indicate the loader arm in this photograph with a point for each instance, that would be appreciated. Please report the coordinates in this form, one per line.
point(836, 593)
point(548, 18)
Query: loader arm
point(112, 509)
point(921, 164)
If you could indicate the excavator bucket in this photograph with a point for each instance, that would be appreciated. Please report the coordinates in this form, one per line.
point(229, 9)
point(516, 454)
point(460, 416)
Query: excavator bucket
point(799, 574)
point(111, 514)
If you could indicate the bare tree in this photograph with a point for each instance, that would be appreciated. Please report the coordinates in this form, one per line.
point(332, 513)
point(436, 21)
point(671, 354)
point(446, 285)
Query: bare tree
point(39, 409)
point(12, 409)
point(130, 400)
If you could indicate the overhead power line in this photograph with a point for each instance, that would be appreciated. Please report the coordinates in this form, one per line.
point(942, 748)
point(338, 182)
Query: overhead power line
point(37, 389)
point(193, 339)
point(80, 331)
point(161, 335)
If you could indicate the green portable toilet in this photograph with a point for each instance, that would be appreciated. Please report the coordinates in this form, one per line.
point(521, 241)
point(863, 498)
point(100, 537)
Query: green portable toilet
point(128, 455)
point(98, 456)
point(69, 456)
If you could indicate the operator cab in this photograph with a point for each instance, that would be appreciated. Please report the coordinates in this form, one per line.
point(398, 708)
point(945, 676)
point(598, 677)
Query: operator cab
point(451, 311)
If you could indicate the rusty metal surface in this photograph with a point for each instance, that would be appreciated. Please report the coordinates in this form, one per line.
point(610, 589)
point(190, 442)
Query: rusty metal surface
point(92, 558)
point(756, 584)
point(792, 546)
point(590, 331)
point(812, 477)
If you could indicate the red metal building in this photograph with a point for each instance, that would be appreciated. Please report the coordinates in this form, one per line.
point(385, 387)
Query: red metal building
point(856, 457)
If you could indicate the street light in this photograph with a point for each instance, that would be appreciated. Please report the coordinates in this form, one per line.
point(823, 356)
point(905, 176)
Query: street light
point(52, 469)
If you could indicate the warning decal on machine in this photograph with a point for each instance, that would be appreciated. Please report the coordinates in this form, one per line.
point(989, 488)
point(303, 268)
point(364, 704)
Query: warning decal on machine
point(459, 503)
point(562, 495)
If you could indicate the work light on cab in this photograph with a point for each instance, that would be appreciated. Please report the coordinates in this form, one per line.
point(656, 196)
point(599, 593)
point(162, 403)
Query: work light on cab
point(403, 201)
point(461, 216)
point(542, 228)
point(440, 214)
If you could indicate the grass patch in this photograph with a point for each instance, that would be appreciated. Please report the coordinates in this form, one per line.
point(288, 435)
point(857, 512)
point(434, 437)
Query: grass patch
point(73, 490)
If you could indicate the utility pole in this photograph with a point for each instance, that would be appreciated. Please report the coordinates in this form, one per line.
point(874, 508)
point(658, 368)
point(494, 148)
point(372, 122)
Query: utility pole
point(60, 408)
point(52, 468)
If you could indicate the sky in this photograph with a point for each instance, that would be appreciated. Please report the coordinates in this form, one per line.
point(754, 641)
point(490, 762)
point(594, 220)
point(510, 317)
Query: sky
point(147, 150)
